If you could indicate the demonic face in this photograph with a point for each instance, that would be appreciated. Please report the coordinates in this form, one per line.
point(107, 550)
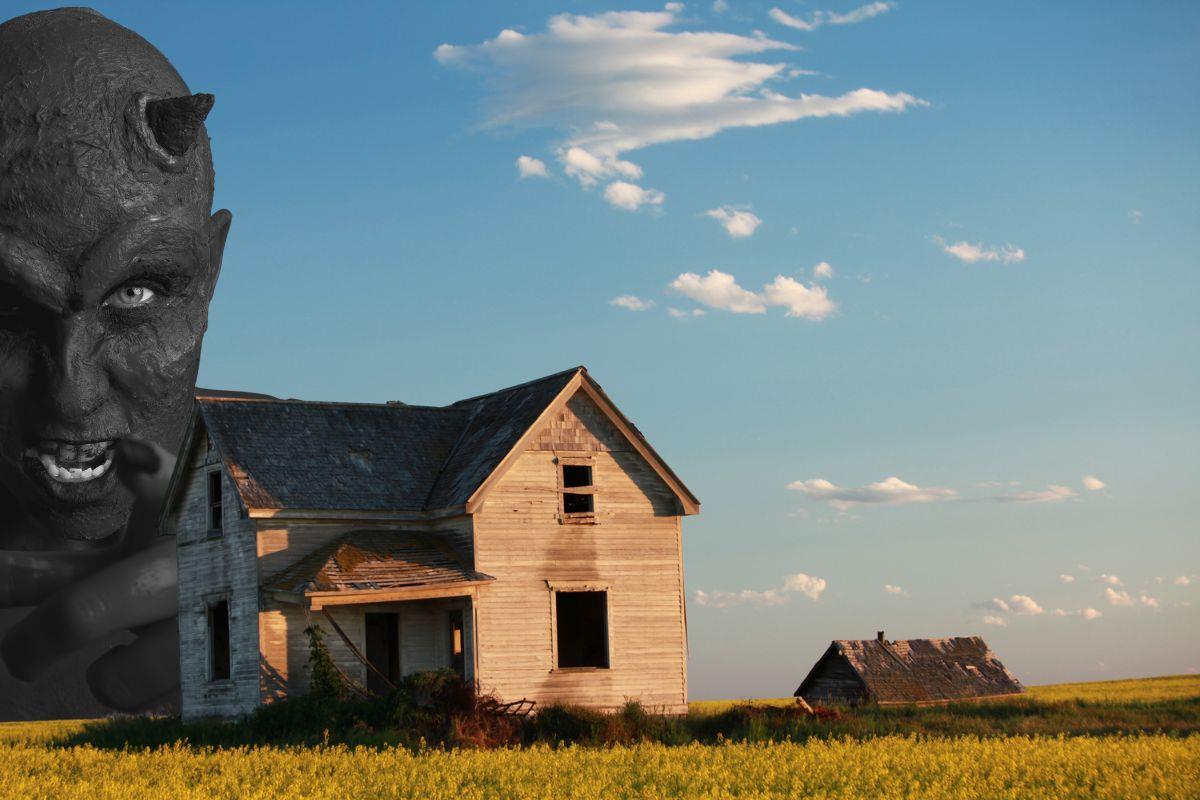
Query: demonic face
point(108, 260)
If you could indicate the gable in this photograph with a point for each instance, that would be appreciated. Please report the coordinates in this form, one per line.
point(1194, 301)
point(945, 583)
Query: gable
point(579, 426)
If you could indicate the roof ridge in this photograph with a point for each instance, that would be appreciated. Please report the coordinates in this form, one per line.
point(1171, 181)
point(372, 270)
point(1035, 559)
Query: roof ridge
point(560, 373)
point(296, 401)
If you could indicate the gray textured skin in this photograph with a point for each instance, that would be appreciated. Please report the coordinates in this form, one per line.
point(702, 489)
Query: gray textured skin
point(90, 204)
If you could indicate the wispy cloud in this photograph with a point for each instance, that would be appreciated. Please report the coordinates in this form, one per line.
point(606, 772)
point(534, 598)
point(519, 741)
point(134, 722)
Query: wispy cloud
point(1020, 604)
point(1064, 578)
point(1117, 598)
point(818, 18)
point(1147, 600)
point(1135, 216)
point(890, 491)
point(896, 590)
point(1111, 580)
point(970, 253)
point(721, 290)
point(992, 619)
point(1051, 494)
point(822, 271)
point(630, 196)
point(739, 223)
point(614, 82)
point(1092, 483)
point(530, 167)
point(1084, 613)
point(798, 583)
point(1182, 580)
point(631, 302)
point(675, 313)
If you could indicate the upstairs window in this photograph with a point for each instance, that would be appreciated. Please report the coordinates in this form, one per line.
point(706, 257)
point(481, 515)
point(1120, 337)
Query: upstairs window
point(578, 493)
point(218, 641)
point(214, 501)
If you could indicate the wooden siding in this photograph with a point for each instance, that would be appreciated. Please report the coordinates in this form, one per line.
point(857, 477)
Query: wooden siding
point(633, 549)
point(834, 681)
point(211, 568)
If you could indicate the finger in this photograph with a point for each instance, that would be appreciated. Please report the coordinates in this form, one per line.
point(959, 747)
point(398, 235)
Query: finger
point(132, 676)
point(28, 577)
point(146, 469)
point(136, 591)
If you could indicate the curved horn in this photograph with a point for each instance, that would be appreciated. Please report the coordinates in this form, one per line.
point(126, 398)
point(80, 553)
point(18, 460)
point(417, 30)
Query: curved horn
point(176, 120)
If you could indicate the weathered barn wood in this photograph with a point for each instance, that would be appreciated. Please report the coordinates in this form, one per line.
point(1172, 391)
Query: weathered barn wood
point(907, 671)
point(477, 535)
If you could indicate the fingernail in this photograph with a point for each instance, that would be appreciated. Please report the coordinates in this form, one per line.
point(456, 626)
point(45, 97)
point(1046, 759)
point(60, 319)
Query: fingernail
point(137, 454)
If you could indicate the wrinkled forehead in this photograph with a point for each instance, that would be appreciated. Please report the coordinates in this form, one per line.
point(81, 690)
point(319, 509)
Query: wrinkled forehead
point(70, 164)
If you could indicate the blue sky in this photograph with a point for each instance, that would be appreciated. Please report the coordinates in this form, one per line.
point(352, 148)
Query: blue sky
point(1011, 215)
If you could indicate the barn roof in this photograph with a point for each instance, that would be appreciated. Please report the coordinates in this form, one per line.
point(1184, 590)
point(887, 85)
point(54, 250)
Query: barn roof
point(375, 560)
point(296, 455)
point(922, 670)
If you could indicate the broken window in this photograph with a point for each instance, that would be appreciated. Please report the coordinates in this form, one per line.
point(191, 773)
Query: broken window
point(577, 477)
point(214, 500)
point(218, 641)
point(582, 628)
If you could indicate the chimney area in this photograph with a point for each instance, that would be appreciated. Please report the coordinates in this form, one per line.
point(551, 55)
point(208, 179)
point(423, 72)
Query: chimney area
point(879, 637)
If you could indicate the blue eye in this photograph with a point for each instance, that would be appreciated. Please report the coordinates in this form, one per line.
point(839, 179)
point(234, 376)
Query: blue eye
point(131, 297)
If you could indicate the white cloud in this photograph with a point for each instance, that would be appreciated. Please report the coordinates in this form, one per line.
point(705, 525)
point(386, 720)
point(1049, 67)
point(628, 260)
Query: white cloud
point(798, 583)
point(891, 491)
point(1051, 494)
point(630, 196)
point(1084, 613)
point(615, 82)
point(1020, 604)
point(971, 253)
point(896, 590)
point(675, 313)
point(630, 302)
point(818, 18)
point(738, 223)
point(1135, 216)
point(822, 270)
point(1083, 567)
point(1117, 598)
point(1182, 580)
point(1160, 580)
point(809, 302)
point(1111, 580)
point(1066, 578)
point(719, 290)
point(1147, 600)
point(720, 6)
point(1024, 605)
point(992, 619)
point(1092, 483)
point(530, 167)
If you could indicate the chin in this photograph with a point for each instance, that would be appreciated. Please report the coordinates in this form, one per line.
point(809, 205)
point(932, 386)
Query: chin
point(71, 511)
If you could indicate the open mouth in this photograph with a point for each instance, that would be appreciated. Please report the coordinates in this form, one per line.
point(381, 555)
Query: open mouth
point(73, 462)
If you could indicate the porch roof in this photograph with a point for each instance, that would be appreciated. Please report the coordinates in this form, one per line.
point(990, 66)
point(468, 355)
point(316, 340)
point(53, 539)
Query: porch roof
point(369, 561)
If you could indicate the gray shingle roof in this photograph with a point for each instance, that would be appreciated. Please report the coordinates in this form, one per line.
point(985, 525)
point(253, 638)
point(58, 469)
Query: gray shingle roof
point(920, 670)
point(354, 456)
point(373, 560)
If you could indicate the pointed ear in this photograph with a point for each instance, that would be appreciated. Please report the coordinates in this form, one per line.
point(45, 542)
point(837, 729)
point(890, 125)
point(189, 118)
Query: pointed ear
point(218, 226)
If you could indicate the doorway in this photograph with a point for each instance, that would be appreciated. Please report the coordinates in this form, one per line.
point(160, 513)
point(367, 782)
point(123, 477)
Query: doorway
point(457, 645)
point(383, 651)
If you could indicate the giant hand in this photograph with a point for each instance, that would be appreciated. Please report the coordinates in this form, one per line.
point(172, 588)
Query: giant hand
point(84, 597)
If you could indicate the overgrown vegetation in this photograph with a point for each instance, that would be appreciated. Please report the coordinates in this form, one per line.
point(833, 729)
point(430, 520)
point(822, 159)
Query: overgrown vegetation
point(436, 709)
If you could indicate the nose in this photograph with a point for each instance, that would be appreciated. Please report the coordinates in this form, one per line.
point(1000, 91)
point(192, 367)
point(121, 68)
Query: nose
point(78, 381)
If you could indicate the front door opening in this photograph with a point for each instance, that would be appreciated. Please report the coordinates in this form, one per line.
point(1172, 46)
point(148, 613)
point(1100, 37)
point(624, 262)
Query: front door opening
point(383, 651)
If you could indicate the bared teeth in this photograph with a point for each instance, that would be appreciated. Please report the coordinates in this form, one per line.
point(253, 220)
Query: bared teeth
point(64, 474)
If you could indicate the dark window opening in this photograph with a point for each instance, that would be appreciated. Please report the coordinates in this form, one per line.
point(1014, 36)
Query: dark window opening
point(218, 640)
point(577, 476)
point(214, 500)
point(458, 649)
point(582, 622)
point(383, 651)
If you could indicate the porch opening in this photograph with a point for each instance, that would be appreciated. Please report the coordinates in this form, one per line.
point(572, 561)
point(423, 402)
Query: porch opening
point(457, 646)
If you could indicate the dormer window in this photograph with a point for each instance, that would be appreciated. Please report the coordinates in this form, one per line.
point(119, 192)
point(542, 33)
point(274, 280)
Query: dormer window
point(577, 490)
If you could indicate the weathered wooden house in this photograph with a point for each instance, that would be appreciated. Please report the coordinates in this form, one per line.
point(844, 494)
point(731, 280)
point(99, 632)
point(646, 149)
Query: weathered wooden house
point(907, 671)
point(529, 538)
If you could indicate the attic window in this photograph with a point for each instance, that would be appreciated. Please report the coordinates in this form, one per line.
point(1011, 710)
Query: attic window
point(578, 492)
point(214, 502)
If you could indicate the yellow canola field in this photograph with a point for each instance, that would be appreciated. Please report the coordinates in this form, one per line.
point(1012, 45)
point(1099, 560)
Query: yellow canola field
point(892, 767)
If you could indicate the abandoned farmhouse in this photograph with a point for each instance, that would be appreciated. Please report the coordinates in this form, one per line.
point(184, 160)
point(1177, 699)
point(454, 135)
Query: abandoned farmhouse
point(529, 538)
point(907, 671)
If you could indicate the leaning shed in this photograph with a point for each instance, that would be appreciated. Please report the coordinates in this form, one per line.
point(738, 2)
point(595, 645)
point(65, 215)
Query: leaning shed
point(907, 671)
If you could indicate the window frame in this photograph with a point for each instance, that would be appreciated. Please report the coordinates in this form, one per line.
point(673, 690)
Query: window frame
point(574, 586)
point(211, 602)
point(575, 517)
point(210, 506)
